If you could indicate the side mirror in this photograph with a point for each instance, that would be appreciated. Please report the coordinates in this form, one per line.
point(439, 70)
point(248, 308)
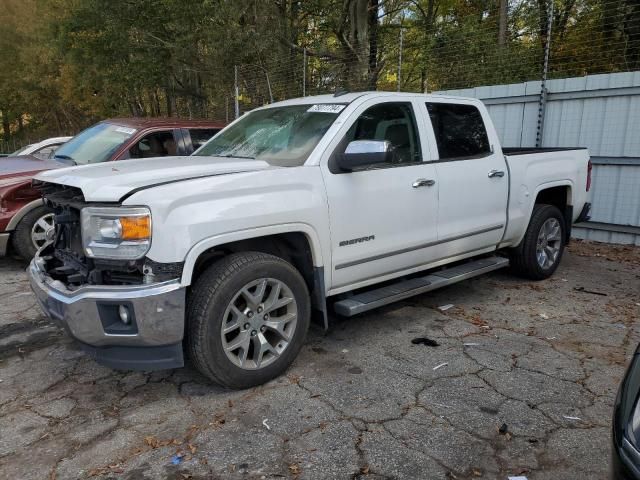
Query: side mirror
point(364, 153)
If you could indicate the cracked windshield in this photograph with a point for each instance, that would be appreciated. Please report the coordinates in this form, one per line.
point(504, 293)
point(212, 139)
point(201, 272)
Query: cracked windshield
point(283, 136)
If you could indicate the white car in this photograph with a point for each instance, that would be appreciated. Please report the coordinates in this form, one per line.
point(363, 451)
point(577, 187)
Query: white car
point(44, 149)
point(353, 200)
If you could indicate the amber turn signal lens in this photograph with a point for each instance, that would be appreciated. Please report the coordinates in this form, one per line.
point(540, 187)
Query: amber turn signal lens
point(136, 228)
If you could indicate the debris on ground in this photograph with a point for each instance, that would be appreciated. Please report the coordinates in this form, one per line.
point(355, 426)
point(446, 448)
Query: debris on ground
point(470, 344)
point(427, 342)
point(614, 253)
point(592, 292)
point(543, 315)
point(295, 469)
point(440, 366)
point(503, 429)
point(571, 418)
point(519, 477)
point(177, 459)
point(444, 308)
point(218, 421)
point(264, 422)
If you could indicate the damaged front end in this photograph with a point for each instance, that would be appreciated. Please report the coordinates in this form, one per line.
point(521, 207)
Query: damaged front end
point(67, 258)
point(126, 310)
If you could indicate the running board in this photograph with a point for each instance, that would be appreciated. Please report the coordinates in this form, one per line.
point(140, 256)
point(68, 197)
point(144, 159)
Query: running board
point(378, 297)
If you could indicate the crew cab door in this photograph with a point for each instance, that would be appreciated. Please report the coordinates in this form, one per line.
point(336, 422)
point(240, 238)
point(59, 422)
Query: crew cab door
point(473, 178)
point(382, 219)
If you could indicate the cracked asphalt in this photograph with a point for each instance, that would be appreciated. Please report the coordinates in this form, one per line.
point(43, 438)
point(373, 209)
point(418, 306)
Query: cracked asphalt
point(363, 401)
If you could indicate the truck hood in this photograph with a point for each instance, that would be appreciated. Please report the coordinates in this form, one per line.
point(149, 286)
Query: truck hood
point(110, 181)
point(25, 165)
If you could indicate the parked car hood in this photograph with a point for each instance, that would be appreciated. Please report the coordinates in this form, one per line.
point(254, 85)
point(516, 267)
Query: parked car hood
point(110, 181)
point(26, 165)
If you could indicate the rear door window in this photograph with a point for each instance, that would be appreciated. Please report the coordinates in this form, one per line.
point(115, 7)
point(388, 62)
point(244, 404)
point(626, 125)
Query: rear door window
point(459, 130)
point(200, 136)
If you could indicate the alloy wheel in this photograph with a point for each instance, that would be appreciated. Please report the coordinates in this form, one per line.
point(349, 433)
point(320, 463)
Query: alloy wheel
point(549, 243)
point(42, 230)
point(259, 323)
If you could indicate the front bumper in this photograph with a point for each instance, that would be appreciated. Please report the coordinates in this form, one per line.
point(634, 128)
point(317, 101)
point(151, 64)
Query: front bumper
point(151, 340)
point(4, 243)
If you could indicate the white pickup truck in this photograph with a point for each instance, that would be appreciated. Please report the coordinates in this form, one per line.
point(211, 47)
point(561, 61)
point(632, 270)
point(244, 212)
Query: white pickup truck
point(354, 200)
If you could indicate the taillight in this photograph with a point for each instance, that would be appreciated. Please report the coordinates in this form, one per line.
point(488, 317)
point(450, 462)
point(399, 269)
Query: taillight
point(589, 168)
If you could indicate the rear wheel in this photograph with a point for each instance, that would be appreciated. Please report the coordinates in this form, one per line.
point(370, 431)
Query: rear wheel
point(540, 251)
point(247, 319)
point(33, 231)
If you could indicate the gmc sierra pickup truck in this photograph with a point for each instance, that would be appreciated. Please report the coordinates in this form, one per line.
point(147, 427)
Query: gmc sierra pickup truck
point(349, 200)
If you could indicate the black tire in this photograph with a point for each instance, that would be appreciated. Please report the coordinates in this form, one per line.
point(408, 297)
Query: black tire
point(21, 239)
point(523, 258)
point(211, 295)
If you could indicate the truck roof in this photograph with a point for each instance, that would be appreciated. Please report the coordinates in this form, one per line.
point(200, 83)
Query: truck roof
point(148, 122)
point(351, 96)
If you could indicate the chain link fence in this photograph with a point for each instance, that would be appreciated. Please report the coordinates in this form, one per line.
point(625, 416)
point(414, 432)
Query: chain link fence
point(569, 39)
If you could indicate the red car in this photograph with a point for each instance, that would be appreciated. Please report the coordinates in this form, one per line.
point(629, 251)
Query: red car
point(26, 224)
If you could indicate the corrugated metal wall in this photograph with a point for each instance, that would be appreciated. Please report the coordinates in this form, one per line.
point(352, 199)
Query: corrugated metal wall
point(601, 112)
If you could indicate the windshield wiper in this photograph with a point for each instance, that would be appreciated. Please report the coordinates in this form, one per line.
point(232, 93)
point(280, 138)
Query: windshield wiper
point(236, 156)
point(65, 159)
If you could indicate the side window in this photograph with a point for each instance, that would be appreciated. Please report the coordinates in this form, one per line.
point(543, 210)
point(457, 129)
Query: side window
point(200, 136)
point(459, 130)
point(393, 122)
point(156, 144)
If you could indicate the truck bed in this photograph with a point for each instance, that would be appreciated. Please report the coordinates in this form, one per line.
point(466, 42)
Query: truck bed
point(512, 151)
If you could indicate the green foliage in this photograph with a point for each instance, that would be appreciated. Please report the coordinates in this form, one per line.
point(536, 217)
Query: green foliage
point(65, 64)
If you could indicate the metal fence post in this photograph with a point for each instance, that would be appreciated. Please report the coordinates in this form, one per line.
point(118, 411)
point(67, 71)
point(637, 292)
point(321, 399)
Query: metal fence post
point(236, 91)
point(400, 59)
point(542, 102)
point(304, 72)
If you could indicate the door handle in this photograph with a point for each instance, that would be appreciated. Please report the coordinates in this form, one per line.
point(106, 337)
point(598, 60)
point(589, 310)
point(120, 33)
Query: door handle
point(495, 173)
point(423, 182)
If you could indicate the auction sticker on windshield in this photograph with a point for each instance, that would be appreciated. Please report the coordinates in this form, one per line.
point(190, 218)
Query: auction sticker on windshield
point(327, 108)
point(128, 131)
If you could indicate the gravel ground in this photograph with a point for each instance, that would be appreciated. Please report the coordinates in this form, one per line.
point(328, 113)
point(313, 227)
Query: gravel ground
point(543, 358)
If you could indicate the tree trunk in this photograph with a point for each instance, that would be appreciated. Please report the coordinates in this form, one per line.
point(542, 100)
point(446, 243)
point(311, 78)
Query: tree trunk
point(6, 126)
point(502, 25)
point(169, 102)
point(355, 41)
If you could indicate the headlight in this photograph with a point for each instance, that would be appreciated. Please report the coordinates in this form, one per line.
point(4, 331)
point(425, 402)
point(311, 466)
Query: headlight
point(116, 232)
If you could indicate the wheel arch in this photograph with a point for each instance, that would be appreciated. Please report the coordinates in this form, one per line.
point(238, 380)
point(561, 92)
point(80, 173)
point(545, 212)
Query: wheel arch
point(259, 239)
point(296, 243)
point(24, 210)
point(560, 195)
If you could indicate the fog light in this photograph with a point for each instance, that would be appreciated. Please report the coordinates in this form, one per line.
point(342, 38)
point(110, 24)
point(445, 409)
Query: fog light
point(123, 311)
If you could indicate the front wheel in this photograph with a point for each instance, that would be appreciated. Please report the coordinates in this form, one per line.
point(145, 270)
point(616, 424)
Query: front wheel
point(540, 251)
point(247, 319)
point(34, 230)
